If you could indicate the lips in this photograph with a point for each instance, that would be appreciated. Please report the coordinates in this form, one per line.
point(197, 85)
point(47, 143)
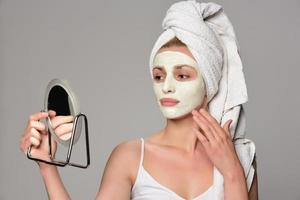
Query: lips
point(168, 101)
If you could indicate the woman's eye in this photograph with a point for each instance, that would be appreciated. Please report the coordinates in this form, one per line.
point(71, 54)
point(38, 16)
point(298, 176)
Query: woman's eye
point(157, 78)
point(184, 76)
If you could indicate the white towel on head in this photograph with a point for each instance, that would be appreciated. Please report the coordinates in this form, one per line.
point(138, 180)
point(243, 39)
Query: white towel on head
point(209, 35)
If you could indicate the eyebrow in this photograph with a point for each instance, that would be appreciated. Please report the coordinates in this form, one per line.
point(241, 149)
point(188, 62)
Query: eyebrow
point(158, 67)
point(181, 66)
point(177, 66)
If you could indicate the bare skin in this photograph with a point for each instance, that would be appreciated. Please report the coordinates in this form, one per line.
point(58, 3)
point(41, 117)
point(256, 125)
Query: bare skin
point(184, 153)
point(35, 134)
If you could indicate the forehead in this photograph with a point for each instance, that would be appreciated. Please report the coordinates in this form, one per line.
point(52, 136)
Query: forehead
point(170, 59)
point(182, 49)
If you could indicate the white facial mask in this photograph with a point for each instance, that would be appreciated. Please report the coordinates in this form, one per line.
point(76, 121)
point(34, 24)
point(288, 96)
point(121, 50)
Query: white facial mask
point(189, 93)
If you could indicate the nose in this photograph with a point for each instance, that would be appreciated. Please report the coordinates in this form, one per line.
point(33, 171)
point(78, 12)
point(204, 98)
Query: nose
point(168, 85)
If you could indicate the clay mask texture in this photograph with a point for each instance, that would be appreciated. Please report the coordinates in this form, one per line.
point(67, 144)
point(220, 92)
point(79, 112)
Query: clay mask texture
point(189, 93)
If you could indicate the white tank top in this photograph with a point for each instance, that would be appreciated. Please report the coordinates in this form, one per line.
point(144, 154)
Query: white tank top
point(147, 188)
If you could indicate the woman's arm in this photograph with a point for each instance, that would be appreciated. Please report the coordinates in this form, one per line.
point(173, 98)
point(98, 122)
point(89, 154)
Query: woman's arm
point(235, 186)
point(116, 181)
point(253, 193)
point(53, 183)
point(36, 134)
point(115, 184)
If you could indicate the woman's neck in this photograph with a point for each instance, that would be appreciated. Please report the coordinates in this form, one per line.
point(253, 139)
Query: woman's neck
point(178, 133)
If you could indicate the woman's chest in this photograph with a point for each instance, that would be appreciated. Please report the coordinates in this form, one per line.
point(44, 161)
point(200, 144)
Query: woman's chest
point(187, 176)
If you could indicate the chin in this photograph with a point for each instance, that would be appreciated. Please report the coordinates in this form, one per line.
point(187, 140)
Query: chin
point(176, 116)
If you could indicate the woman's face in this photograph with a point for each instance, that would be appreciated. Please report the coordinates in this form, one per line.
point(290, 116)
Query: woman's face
point(177, 82)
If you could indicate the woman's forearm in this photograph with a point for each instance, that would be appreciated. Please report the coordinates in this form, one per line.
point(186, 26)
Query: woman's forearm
point(53, 183)
point(235, 185)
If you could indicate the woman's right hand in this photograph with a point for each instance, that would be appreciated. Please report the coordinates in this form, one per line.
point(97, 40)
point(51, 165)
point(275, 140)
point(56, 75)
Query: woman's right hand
point(35, 134)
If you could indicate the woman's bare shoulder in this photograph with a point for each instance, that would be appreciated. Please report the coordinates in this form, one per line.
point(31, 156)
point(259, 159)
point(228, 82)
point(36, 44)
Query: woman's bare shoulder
point(132, 147)
point(128, 149)
point(127, 153)
point(119, 170)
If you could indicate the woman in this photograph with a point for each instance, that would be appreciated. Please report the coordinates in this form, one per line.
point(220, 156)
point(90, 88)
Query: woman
point(184, 159)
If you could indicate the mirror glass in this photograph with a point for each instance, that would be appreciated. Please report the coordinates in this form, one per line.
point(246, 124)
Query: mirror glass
point(62, 119)
point(62, 104)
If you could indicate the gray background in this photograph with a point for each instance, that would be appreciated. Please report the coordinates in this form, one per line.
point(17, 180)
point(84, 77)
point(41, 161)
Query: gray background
point(102, 48)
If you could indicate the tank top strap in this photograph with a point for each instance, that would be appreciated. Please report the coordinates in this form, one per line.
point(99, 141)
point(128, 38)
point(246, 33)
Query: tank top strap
point(142, 152)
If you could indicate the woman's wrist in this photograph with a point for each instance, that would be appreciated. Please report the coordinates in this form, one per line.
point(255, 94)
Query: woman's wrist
point(235, 186)
point(46, 168)
point(236, 173)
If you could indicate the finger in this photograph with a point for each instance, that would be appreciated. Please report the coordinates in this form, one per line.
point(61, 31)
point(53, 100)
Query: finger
point(201, 137)
point(64, 129)
point(37, 125)
point(38, 116)
point(24, 143)
point(25, 147)
point(35, 134)
point(206, 122)
point(52, 113)
point(66, 136)
point(226, 127)
point(35, 142)
point(204, 127)
point(214, 123)
point(58, 120)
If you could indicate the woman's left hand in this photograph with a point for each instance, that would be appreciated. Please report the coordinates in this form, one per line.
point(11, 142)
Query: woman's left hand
point(217, 142)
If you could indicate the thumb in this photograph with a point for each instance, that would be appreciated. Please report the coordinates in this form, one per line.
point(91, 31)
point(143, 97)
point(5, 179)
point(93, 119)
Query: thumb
point(52, 113)
point(227, 125)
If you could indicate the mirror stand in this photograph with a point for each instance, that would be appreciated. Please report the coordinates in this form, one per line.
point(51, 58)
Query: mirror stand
point(67, 161)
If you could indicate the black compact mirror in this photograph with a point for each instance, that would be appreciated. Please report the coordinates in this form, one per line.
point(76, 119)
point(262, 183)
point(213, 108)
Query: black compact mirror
point(65, 124)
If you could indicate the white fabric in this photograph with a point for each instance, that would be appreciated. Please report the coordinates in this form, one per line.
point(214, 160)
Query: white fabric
point(209, 35)
point(146, 187)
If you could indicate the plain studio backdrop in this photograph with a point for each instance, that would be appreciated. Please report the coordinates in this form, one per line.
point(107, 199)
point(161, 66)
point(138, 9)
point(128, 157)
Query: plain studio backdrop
point(103, 48)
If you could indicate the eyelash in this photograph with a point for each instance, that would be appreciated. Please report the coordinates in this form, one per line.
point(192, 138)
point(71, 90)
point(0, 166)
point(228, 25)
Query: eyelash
point(184, 75)
point(181, 75)
point(155, 77)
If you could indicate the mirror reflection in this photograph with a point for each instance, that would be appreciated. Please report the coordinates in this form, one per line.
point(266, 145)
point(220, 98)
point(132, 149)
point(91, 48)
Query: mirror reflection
point(61, 118)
